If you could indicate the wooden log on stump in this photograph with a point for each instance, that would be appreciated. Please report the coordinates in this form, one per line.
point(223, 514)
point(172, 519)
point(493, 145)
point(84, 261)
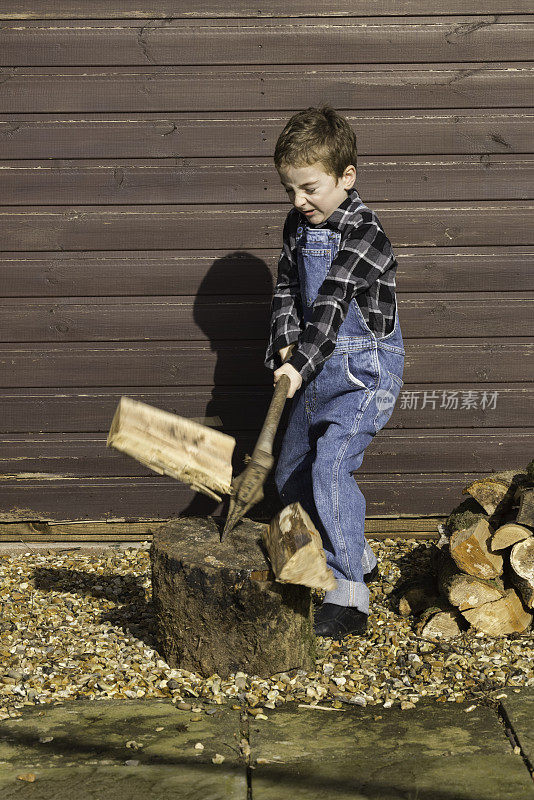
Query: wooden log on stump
point(296, 550)
point(500, 617)
point(218, 608)
point(470, 549)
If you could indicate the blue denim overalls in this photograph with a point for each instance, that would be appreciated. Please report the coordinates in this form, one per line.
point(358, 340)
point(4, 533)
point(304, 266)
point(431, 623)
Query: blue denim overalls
point(332, 419)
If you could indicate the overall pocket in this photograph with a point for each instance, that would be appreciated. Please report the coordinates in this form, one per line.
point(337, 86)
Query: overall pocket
point(385, 399)
point(359, 368)
point(314, 264)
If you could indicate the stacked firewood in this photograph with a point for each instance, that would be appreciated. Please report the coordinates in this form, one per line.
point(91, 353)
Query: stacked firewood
point(483, 572)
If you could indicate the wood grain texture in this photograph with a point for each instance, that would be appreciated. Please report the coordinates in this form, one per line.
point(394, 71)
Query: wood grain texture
point(108, 319)
point(357, 86)
point(183, 134)
point(204, 273)
point(234, 364)
point(201, 9)
point(421, 406)
point(240, 226)
point(100, 531)
point(77, 455)
point(266, 41)
point(239, 180)
point(159, 497)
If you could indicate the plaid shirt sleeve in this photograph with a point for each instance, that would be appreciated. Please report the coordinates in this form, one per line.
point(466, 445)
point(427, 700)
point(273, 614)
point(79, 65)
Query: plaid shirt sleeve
point(286, 308)
point(364, 255)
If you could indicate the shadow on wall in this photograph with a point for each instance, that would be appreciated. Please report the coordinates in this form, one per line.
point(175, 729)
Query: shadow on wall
point(242, 389)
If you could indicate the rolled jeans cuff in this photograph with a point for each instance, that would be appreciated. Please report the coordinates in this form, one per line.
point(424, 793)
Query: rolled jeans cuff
point(349, 593)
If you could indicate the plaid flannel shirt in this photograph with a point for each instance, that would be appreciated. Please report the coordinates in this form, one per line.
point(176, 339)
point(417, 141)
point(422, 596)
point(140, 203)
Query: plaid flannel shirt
point(364, 269)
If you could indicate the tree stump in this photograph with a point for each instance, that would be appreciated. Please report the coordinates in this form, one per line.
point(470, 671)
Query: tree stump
point(218, 608)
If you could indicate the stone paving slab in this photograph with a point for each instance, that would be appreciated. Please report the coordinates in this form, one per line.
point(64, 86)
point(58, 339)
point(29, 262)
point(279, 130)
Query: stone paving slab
point(519, 709)
point(431, 752)
point(85, 758)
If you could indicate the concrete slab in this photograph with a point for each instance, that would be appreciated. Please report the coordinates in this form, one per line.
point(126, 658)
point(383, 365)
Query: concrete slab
point(79, 751)
point(519, 709)
point(431, 752)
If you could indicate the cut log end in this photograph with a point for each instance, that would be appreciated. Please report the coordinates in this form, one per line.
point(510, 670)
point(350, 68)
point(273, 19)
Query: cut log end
point(495, 492)
point(440, 622)
point(500, 617)
point(522, 569)
point(507, 535)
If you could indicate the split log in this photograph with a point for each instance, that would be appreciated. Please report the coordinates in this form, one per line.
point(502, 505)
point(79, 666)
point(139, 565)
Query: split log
point(296, 550)
point(218, 608)
point(522, 569)
point(173, 445)
point(440, 622)
point(507, 535)
point(500, 617)
point(525, 515)
point(463, 590)
point(470, 550)
point(495, 492)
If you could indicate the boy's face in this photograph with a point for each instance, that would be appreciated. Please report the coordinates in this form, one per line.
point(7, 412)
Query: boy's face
point(313, 191)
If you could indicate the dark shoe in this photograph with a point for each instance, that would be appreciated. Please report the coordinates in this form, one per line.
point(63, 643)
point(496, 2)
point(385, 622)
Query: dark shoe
point(371, 576)
point(338, 621)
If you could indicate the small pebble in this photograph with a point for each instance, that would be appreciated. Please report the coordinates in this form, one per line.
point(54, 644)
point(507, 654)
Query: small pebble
point(28, 777)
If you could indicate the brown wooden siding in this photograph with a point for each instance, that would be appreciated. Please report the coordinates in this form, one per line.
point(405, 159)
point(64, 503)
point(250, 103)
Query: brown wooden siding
point(141, 217)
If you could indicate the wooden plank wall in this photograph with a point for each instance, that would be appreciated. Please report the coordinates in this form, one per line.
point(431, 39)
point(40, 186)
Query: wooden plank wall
point(141, 218)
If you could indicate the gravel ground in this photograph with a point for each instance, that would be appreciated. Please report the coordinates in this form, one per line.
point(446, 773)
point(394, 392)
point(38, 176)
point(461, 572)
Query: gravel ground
point(81, 626)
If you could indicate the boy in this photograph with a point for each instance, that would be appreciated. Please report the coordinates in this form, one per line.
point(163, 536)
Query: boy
point(335, 332)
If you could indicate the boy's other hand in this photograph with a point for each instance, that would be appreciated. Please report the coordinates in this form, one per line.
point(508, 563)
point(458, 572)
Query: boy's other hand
point(294, 377)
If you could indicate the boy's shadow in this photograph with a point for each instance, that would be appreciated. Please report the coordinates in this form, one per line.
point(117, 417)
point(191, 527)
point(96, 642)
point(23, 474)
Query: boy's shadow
point(242, 387)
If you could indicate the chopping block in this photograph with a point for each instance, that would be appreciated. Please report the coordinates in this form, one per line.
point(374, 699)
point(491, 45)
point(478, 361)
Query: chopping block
point(218, 607)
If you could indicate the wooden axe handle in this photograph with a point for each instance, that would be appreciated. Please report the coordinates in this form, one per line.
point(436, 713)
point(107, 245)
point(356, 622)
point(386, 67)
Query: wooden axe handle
point(270, 426)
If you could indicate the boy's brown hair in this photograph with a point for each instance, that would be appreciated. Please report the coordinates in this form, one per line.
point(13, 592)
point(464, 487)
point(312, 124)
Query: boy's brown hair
point(317, 134)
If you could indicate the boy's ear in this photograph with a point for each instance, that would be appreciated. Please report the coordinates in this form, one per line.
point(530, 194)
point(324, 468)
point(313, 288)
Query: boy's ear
point(349, 176)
